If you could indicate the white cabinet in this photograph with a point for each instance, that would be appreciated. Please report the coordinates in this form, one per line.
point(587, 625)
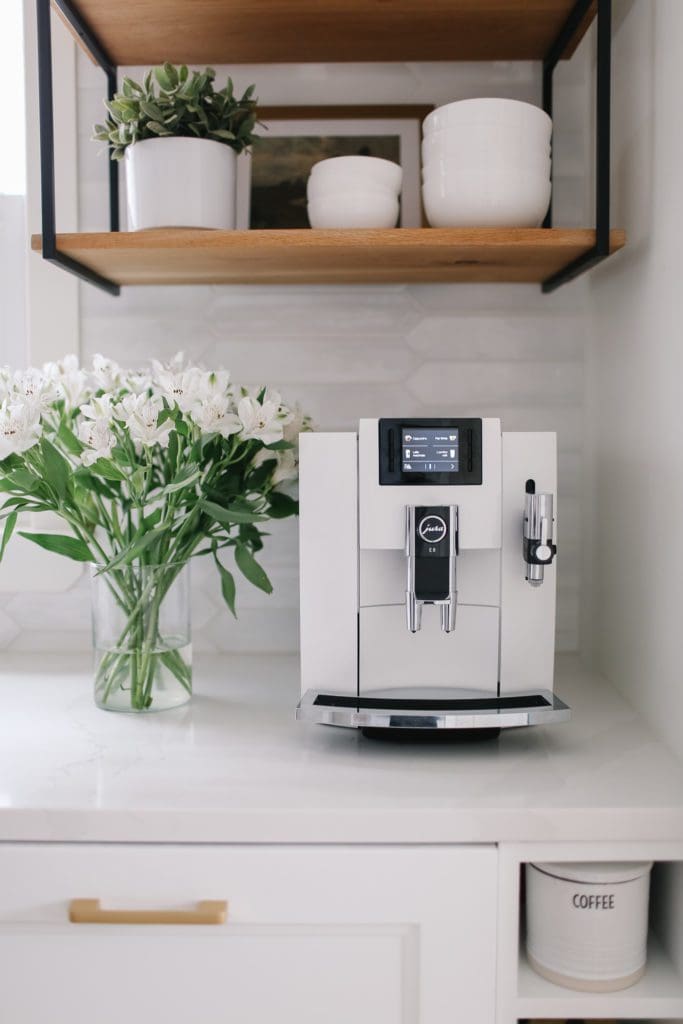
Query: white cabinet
point(314, 935)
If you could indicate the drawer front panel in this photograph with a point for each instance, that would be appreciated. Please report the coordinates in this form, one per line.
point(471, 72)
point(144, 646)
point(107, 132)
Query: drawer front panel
point(377, 935)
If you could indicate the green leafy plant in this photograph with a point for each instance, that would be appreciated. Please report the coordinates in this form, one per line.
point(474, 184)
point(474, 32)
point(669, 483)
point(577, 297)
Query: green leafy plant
point(146, 469)
point(175, 102)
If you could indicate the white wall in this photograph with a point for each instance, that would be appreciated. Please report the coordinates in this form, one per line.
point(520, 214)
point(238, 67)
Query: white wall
point(347, 352)
point(637, 371)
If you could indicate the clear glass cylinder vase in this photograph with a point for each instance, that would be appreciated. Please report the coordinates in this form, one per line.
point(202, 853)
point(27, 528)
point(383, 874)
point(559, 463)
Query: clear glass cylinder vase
point(141, 636)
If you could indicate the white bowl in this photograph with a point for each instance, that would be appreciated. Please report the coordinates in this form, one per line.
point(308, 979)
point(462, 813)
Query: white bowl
point(371, 170)
point(353, 210)
point(523, 116)
point(316, 189)
point(485, 142)
point(455, 170)
point(474, 200)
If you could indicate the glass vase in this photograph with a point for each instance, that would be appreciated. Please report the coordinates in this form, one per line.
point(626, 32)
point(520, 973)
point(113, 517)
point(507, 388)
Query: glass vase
point(141, 636)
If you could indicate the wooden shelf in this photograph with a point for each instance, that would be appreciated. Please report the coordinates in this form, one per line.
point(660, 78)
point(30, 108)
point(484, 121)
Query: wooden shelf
point(145, 32)
point(658, 995)
point(400, 255)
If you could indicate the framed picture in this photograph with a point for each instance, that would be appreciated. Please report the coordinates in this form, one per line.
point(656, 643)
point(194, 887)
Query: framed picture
point(271, 179)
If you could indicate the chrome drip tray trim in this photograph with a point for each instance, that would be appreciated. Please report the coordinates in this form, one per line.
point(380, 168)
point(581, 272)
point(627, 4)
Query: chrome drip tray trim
point(452, 710)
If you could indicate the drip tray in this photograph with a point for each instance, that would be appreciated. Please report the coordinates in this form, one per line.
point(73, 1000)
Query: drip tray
point(450, 711)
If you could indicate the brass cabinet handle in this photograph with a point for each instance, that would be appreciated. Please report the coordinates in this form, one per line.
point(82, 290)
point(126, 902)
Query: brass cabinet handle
point(90, 912)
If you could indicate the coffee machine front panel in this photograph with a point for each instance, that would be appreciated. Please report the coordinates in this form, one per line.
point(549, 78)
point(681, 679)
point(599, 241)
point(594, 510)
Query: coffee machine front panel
point(388, 482)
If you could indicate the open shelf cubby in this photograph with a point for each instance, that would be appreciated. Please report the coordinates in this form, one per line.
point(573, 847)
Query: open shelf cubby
point(658, 996)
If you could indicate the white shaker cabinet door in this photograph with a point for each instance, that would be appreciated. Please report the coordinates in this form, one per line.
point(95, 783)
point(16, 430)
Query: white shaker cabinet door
point(314, 935)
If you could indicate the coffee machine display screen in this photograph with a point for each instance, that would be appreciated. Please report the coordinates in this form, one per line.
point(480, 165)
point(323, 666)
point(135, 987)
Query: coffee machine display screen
point(430, 450)
point(425, 452)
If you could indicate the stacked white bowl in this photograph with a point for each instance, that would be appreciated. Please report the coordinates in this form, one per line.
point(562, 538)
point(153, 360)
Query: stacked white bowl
point(354, 192)
point(486, 163)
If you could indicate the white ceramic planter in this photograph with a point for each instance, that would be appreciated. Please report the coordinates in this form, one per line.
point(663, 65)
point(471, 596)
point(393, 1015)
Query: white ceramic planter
point(180, 183)
point(587, 923)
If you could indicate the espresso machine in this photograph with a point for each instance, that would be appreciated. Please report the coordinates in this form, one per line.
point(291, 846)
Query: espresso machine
point(427, 552)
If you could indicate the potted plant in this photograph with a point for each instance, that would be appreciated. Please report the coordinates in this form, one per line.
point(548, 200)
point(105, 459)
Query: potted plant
point(147, 470)
point(179, 138)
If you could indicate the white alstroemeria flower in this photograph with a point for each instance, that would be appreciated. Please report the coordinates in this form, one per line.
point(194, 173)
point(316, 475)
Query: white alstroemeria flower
point(296, 423)
point(99, 439)
point(70, 380)
point(182, 387)
point(214, 416)
point(20, 428)
point(287, 464)
point(33, 388)
point(141, 414)
point(259, 421)
point(106, 372)
point(137, 381)
point(284, 414)
point(5, 382)
point(214, 382)
point(100, 408)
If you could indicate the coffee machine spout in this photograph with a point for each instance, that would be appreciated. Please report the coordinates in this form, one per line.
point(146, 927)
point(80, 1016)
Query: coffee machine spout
point(413, 612)
point(431, 552)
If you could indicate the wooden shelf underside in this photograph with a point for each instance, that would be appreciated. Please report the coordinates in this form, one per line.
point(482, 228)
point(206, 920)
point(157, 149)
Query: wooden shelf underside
point(400, 255)
point(144, 32)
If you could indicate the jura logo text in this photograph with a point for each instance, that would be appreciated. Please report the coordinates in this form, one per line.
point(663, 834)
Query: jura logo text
point(432, 529)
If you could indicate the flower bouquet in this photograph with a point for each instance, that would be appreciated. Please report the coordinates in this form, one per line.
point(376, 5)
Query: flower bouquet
point(147, 469)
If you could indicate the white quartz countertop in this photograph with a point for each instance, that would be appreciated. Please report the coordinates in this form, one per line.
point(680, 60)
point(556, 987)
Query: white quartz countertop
point(235, 766)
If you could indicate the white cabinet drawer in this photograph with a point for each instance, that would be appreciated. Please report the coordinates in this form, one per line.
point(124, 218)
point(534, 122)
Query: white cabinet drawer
point(314, 935)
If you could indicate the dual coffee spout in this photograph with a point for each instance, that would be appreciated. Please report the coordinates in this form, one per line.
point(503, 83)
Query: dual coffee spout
point(431, 551)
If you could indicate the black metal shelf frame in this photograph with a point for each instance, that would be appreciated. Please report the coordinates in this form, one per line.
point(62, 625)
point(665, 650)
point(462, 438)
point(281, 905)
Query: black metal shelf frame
point(579, 13)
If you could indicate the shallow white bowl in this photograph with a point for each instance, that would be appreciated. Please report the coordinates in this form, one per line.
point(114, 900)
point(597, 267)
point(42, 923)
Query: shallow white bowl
point(451, 168)
point(472, 200)
point(353, 210)
point(371, 170)
point(523, 116)
point(316, 189)
point(485, 142)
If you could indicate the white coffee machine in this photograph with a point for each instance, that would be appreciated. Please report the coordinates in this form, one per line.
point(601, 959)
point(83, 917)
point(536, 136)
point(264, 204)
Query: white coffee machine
point(428, 576)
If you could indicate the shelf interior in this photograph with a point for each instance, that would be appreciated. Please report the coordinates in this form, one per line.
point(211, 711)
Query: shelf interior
point(143, 32)
point(659, 994)
point(394, 256)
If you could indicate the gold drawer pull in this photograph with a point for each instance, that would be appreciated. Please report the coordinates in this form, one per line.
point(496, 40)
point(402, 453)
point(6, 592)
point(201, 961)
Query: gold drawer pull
point(90, 912)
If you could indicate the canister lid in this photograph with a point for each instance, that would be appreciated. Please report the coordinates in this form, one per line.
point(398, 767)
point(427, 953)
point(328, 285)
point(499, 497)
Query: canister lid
point(597, 873)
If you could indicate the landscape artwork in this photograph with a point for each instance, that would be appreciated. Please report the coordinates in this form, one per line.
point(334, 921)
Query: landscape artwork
point(280, 167)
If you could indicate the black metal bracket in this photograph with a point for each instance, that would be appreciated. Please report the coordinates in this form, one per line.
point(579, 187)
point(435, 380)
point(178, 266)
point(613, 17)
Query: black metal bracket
point(47, 138)
point(601, 249)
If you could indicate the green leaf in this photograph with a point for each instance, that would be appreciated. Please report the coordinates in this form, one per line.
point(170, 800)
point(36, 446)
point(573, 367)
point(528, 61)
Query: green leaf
point(162, 78)
point(69, 440)
point(71, 547)
point(230, 516)
point(227, 585)
point(133, 550)
point(57, 469)
point(251, 569)
point(186, 477)
point(279, 446)
point(24, 480)
point(282, 506)
point(259, 476)
point(10, 523)
point(108, 469)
